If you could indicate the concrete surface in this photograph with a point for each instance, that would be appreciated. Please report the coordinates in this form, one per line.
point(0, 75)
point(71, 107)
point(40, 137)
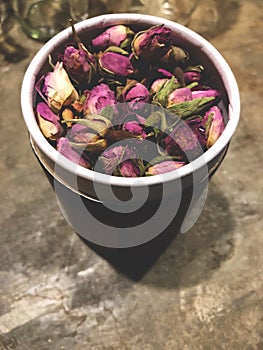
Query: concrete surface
point(205, 289)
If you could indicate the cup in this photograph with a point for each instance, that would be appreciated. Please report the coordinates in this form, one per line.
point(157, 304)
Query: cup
point(124, 212)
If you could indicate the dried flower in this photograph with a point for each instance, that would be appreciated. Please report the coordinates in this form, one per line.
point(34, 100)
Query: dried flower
point(188, 137)
point(80, 64)
point(98, 98)
point(111, 157)
point(48, 122)
point(118, 35)
point(157, 85)
point(134, 93)
point(96, 123)
point(188, 108)
point(135, 128)
point(174, 56)
point(191, 77)
point(58, 88)
point(64, 147)
point(115, 64)
point(161, 165)
point(179, 95)
point(82, 134)
point(161, 96)
point(129, 168)
point(205, 93)
point(150, 45)
point(213, 123)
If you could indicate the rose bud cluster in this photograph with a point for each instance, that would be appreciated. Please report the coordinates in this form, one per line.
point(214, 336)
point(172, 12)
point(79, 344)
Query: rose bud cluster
point(105, 100)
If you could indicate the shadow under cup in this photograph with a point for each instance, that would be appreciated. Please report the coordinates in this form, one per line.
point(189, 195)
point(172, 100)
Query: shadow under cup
point(126, 212)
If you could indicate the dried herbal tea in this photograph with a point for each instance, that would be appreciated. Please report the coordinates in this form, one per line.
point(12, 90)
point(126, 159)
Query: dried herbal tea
point(128, 104)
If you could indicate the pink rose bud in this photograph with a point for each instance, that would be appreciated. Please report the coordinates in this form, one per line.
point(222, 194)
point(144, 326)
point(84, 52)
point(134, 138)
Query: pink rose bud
point(188, 136)
point(95, 123)
point(150, 45)
point(98, 98)
point(196, 125)
point(118, 35)
point(157, 85)
point(64, 147)
point(135, 128)
point(79, 63)
point(213, 123)
point(82, 134)
point(48, 122)
point(135, 92)
point(164, 166)
point(58, 88)
point(128, 168)
point(115, 64)
point(161, 97)
point(191, 77)
point(179, 95)
point(205, 93)
point(111, 157)
point(193, 74)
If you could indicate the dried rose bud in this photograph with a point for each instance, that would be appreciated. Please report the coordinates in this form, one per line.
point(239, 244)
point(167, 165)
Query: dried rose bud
point(161, 96)
point(79, 63)
point(95, 123)
point(99, 97)
point(192, 76)
point(93, 147)
point(179, 95)
point(48, 122)
point(213, 123)
point(152, 44)
point(187, 108)
point(114, 62)
point(88, 134)
point(111, 157)
point(58, 88)
point(161, 165)
point(134, 93)
point(135, 128)
point(118, 35)
point(196, 125)
point(205, 93)
point(64, 147)
point(184, 136)
point(129, 168)
point(157, 85)
point(187, 136)
point(169, 146)
point(82, 134)
point(174, 56)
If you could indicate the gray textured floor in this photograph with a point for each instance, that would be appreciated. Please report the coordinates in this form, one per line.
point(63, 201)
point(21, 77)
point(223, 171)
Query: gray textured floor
point(205, 290)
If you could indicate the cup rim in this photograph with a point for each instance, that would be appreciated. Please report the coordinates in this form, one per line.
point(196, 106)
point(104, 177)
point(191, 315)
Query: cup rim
point(228, 78)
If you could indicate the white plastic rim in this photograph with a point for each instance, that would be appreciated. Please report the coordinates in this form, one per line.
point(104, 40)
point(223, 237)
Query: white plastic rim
point(207, 48)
